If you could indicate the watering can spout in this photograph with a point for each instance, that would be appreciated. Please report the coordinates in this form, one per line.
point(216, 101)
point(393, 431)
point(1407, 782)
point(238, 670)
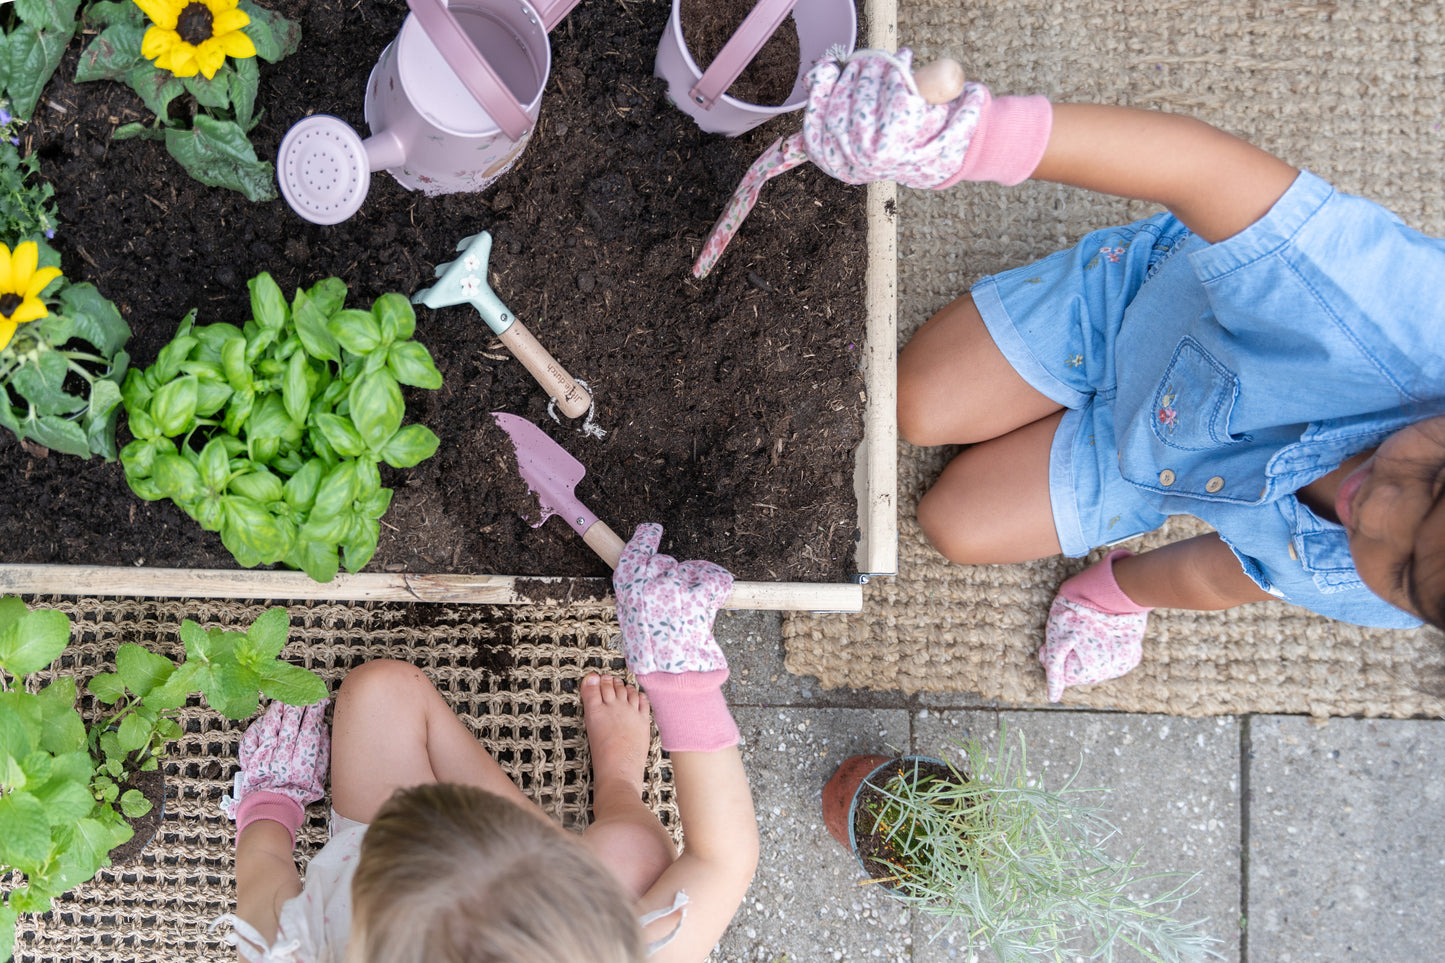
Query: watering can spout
point(384, 150)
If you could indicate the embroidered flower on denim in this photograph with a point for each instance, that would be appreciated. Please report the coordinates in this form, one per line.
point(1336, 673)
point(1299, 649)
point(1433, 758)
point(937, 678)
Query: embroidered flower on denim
point(1112, 253)
point(1075, 361)
point(1168, 417)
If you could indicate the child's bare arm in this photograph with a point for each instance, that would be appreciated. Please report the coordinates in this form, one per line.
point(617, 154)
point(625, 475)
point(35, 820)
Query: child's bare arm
point(1200, 573)
point(719, 857)
point(266, 875)
point(1214, 182)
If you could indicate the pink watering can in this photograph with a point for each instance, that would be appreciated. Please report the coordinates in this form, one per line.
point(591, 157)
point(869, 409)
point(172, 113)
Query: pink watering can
point(451, 103)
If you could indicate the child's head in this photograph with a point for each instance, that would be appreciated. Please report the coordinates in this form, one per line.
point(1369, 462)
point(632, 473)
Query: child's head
point(1393, 509)
point(454, 873)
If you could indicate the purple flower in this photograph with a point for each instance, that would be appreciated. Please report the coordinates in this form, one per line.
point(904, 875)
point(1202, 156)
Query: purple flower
point(50, 233)
point(15, 141)
point(5, 116)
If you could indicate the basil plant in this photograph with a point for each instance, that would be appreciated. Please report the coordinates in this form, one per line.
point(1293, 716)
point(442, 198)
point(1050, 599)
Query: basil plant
point(66, 794)
point(272, 433)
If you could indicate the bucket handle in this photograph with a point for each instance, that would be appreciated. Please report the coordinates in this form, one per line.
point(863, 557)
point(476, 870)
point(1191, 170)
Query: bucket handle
point(757, 27)
point(471, 68)
point(552, 11)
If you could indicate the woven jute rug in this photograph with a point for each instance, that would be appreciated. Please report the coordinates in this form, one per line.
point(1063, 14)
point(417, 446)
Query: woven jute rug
point(511, 673)
point(1351, 90)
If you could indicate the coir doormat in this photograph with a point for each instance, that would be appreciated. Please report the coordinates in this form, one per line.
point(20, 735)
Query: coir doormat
point(1350, 90)
point(510, 672)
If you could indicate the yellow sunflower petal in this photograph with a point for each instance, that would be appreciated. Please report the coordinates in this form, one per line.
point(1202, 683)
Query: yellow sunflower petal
point(227, 20)
point(157, 41)
point(162, 13)
point(22, 265)
point(220, 6)
point(237, 45)
point(7, 331)
point(183, 60)
point(40, 281)
point(210, 56)
point(5, 271)
point(31, 309)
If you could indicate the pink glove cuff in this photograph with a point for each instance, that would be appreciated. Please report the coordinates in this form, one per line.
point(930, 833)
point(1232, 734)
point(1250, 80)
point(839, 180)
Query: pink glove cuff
point(1008, 143)
point(1097, 588)
point(690, 711)
point(274, 806)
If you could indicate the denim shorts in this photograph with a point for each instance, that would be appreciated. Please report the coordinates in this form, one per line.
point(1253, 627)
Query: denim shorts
point(1056, 322)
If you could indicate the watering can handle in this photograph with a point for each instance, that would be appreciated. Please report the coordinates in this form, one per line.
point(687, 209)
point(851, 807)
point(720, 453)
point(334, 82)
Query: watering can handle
point(739, 51)
point(552, 11)
point(470, 66)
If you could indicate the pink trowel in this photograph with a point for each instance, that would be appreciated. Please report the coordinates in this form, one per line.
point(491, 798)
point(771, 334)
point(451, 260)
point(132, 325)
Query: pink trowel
point(553, 474)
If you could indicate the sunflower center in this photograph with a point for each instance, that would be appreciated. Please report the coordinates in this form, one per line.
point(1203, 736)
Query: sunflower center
point(195, 24)
point(9, 301)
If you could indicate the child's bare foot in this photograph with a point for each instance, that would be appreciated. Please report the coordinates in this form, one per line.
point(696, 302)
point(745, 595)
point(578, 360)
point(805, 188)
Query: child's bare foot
point(618, 719)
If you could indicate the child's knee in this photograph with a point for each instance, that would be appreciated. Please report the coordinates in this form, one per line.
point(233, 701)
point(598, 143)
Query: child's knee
point(381, 680)
point(918, 412)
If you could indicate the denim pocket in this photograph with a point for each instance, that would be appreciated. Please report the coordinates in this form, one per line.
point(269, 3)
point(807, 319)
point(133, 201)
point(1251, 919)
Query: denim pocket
point(1194, 399)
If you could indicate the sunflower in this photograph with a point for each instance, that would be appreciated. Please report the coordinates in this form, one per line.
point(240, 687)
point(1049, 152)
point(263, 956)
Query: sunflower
point(20, 287)
point(194, 36)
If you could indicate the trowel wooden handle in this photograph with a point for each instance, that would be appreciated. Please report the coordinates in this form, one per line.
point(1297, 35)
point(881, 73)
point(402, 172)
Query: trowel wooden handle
point(745, 595)
point(940, 81)
point(571, 397)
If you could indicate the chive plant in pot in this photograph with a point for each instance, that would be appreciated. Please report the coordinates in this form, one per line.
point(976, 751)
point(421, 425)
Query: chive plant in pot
point(70, 788)
point(1021, 867)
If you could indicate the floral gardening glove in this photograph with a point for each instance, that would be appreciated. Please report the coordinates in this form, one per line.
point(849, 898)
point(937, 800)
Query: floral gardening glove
point(1095, 632)
point(666, 610)
point(866, 121)
point(284, 759)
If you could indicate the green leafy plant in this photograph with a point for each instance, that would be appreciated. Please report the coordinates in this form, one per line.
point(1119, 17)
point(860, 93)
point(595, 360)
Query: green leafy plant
point(27, 206)
point(64, 799)
point(188, 62)
point(272, 433)
point(1021, 866)
point(61, 369)
point(33, 38)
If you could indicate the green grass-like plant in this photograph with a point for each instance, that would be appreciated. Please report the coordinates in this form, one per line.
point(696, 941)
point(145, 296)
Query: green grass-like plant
point(1022, 867)
point(64, 799)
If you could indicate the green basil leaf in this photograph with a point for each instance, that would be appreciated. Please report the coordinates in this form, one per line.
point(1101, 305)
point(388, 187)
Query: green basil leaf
point(209, 513)
point(233, 362)
point(336, 492)
point(135, 392)
point(310, 317)
point(359, 549)
point(296, 389)
point(260, 486)
point(268, 304)
point(300, 489)
point(375, 504)
point(410, 446)
point(250, 531)
point(134, 804)
point(177, 478)
point(168, 362)
point(215, 465)
point(242, 403)
point(395, 315)
point(357, 331)
point(134, 733)
point(140, 669)
point(291, 684)
point(328, 295)
point(174, 406)
point(376, 408)
point(211, 396)
point(412, 364)
point(33, 641)
point(340, 435)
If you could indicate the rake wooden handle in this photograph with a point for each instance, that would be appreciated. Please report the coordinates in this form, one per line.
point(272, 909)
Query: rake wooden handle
point(572, 398)
point(745, 595)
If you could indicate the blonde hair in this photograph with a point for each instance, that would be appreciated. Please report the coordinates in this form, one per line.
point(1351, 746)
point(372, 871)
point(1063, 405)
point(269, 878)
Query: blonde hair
point(455, 874)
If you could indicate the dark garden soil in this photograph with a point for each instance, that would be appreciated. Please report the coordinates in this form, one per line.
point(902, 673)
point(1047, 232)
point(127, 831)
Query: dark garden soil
point(874, 848)
point(152, 785)
point(707, 26)
point(732, 406)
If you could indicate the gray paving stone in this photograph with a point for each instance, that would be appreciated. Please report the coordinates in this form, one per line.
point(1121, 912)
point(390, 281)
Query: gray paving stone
point(1345, 840)
point(805, 904)
point(1175, 790)
point(753, 644)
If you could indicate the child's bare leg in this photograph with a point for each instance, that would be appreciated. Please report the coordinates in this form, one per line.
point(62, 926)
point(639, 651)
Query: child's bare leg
point(991, 504)
point(956, 387)
point(391, 729)
point(624, 834)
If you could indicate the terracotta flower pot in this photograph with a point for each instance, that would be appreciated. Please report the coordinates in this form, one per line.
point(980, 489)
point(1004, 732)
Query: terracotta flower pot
point(843, 790)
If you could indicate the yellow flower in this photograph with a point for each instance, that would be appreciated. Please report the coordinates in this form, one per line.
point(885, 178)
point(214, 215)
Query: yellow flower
point(194, 36)
point(20, 287)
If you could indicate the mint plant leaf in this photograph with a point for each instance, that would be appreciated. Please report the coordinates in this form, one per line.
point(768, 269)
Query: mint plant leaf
point(33, 641)
point(264, 639)
point(134, 804)
point(24, 830)
point(291, 684)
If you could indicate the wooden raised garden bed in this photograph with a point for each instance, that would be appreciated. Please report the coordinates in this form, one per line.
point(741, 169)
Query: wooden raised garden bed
point(751, 412)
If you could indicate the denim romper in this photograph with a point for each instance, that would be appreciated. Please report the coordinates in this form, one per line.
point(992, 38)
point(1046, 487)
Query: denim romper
point(1216, 380)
